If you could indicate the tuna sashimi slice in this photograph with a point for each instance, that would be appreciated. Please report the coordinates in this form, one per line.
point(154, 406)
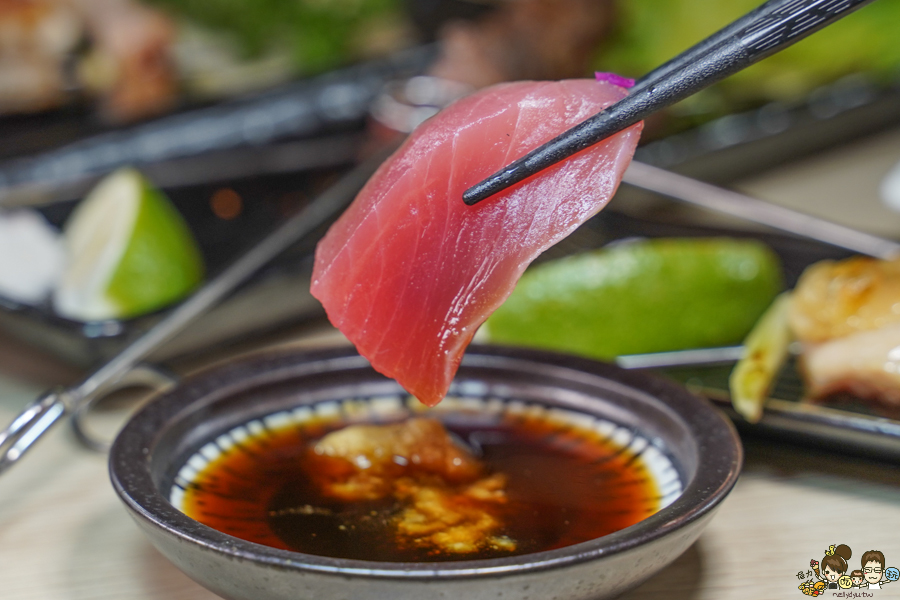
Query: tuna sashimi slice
point(409, 272)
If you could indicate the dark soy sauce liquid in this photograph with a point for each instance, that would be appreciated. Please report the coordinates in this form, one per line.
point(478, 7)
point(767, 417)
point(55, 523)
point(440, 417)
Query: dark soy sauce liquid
point(565, 485)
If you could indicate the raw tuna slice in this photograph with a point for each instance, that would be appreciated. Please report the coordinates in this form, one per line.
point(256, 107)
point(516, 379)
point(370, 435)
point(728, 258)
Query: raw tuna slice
point(409, 272)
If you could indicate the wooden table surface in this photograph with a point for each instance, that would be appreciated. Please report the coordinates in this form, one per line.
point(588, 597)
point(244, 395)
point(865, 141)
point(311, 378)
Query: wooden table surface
point(65, 536)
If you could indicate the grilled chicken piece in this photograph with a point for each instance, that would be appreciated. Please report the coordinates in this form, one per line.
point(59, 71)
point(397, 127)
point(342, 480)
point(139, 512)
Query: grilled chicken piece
point(866, 364)
point(847, 316)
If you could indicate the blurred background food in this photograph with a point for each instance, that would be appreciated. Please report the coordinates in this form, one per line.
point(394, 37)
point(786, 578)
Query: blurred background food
point(242, 110)
point(845, 319)
point(53, 51)
point(138, 58)
point(862, 45)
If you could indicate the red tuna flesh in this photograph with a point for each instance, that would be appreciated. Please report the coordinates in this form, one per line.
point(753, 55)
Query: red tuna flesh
point(409, 272)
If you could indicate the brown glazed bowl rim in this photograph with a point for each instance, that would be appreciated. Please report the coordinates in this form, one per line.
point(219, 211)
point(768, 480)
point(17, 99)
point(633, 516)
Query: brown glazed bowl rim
point(135, 475)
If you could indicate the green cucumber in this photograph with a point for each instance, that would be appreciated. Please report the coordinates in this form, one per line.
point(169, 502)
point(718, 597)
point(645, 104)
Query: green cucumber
point(638, 297)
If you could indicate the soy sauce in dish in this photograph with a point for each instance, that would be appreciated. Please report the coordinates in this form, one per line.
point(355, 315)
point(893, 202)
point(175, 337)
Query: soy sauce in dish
point(564, 485)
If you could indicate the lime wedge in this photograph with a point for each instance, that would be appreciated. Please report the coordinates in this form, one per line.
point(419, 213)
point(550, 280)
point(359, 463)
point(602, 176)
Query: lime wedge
point(765, 351)
point(130, 252)
point(645, 296)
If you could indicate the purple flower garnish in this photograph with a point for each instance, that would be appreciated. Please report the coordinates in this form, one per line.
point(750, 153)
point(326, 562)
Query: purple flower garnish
point(614, 79)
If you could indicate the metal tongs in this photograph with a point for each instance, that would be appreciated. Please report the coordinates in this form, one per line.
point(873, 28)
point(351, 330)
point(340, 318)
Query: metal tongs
point(766, 30)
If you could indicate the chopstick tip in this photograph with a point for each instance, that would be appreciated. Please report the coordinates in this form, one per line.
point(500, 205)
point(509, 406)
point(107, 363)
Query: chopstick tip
point(494, 184)
point(471, 197)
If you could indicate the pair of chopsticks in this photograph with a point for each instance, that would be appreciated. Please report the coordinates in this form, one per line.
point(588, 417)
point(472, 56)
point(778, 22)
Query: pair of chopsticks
point(764, 31)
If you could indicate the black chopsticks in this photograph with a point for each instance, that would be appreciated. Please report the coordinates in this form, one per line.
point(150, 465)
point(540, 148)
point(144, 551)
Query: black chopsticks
point(766, 30)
